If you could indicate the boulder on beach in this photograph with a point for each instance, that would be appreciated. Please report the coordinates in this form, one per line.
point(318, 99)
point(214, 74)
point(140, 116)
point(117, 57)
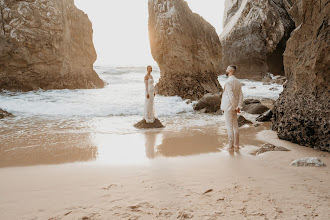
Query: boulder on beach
point(269, 147)
point(267, 116)
point(253, 106)
point(242, 121)
point(308, 161)
point(4, 114)
point(186, 48)
point(250, 101)
point(144, 125)
point(210, 102)
point(279, 79)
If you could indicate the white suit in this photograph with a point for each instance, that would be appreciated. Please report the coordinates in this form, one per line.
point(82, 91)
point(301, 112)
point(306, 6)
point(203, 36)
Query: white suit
point(232, 98)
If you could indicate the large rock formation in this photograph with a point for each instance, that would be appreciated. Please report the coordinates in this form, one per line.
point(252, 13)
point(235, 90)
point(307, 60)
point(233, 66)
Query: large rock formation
point(302, 112)
point(46, 44)
point(186, 48)
point(254, 36)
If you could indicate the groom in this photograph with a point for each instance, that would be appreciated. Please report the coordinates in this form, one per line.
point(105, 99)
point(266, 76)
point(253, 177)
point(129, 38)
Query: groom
point(231, 103)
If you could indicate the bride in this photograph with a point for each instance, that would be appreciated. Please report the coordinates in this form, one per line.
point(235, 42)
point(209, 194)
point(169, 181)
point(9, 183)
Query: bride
point(149, 110)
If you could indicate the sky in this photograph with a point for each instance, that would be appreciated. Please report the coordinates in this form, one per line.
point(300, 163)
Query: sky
point(121, 28)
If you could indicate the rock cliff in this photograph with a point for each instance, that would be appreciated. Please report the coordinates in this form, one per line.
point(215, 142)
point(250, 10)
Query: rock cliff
point(186, 48)
point(302, 112)
point(254, 36)
point(46, 44)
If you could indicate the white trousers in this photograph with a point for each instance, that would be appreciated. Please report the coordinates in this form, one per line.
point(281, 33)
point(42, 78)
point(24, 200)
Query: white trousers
point(232, 128)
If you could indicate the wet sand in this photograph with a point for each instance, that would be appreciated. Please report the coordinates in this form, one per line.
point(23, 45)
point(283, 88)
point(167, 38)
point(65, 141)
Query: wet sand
point(167, 175)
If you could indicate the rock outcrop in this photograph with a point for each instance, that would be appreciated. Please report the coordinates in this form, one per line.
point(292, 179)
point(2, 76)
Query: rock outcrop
point(144, 125)
point(46, 44)
point(4, 114)
point(308, 161)
point(302, 112)
point(210, 102)
point(269, 147)
point(254, 36)
point(242, 121)
point(186, 48)
point(253, 106)
point(267, 116)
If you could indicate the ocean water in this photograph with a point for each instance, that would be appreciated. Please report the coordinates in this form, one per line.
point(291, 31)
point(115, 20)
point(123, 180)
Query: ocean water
point(121, 101)
point(73, 115)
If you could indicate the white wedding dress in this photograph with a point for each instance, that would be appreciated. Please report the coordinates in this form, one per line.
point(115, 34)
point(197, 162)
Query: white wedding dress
point(149, 110)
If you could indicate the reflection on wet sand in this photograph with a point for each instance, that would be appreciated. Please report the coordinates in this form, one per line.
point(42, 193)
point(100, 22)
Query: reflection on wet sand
point(150, 142)
point(47, 149)
point(55, 146)
point(196, 141)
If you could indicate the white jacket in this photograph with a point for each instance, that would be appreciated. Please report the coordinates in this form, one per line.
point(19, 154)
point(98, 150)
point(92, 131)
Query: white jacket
point(232, 96)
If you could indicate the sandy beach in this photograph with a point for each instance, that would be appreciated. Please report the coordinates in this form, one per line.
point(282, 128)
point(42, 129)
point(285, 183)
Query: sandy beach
point(186, 176)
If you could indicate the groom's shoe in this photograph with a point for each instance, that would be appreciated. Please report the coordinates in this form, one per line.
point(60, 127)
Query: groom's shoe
point(237, 148)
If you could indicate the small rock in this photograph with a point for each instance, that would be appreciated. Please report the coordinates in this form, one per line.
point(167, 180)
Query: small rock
point(273, 89)
point(208, 191)
point(279, 79)
point(266, 83)
point(269, 147)
point(267, 116)
point(252, 87)
point(255, 108)
point(308, 161)
point(250, 101)
point(144, 125)
point(188, 101)
point(267, 78)
point(243, 84)
point(242, 121)
point(4, 114)
point(219, 112)
point(210, 102)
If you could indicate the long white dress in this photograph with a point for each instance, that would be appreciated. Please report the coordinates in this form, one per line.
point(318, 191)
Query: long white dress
point(149, 110)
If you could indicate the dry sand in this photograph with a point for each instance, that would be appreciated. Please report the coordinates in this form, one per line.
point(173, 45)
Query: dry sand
point(187, 176)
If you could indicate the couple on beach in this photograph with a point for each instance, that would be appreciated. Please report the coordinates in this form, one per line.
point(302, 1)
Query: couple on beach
point(231, 104)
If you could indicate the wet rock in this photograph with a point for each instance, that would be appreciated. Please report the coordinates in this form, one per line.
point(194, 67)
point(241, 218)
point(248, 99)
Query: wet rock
point(273, 89)
point(186, 48)
point(267, 78)
point(252, 87)
point(4, 114)
point(267, 116)
point(46, 44)
point(250, 101)
point(144, 125)
point(279, 79)
point(266, 83)
point(269, 147)
point(301, 113)
point(242, 121)
point(254, 36)
point(255, 108)
point(308, 161)
point(210, 102)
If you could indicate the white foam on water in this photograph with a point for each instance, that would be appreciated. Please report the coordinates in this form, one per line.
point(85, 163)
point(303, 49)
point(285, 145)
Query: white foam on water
point(114, 108)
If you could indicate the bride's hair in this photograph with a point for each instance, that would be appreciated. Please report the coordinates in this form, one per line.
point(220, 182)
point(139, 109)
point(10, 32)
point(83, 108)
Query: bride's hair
point(149, 66)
